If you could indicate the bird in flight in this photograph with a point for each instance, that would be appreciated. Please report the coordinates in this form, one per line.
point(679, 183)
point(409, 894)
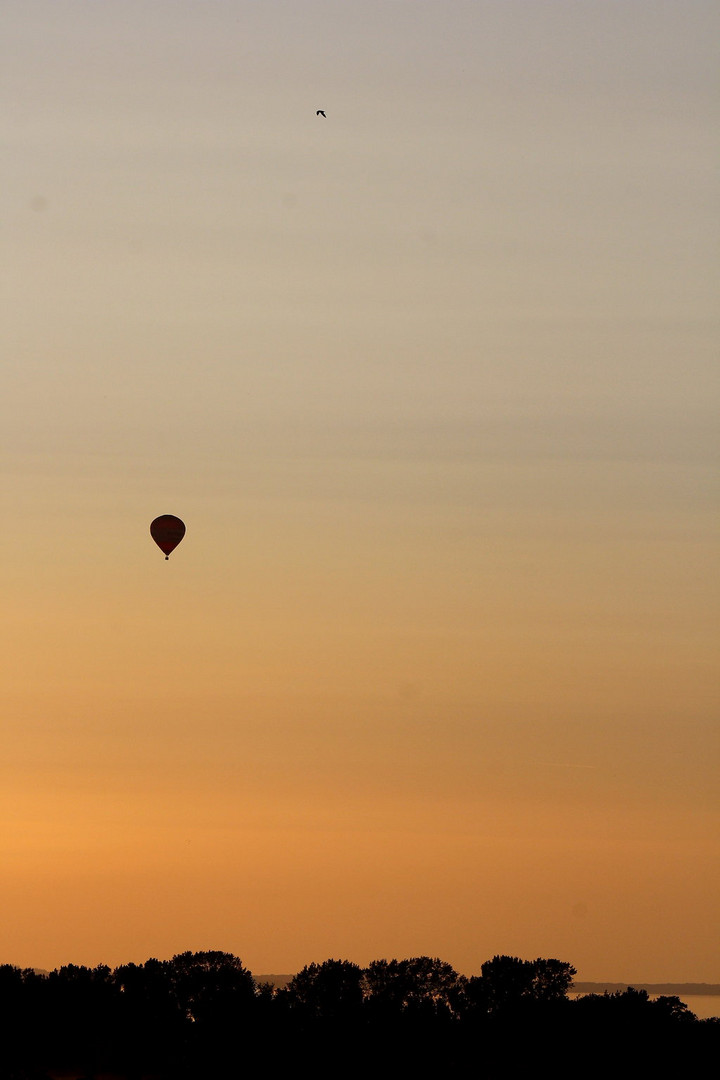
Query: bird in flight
point(320, 113)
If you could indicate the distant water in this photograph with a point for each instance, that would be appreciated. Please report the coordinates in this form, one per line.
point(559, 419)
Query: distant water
point(703, 1005)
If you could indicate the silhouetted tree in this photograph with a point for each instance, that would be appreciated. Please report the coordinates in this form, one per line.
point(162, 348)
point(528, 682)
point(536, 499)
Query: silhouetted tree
point(210, 987)
point(79, 1011)
point(331, 990)
point(507, 980)
point(672, 1008)
point(15, 1014)
point(200, 1015)
point(151, 1015)
point(419, 982)
point(551, 979)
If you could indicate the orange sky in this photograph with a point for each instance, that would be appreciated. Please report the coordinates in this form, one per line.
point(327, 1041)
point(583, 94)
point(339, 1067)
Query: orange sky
point(431, 383)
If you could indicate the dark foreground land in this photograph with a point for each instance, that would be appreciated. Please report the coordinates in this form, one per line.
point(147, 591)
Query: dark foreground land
point(201, 1016)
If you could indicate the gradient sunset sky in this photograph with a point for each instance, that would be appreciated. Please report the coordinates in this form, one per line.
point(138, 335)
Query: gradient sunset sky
point(433, 384)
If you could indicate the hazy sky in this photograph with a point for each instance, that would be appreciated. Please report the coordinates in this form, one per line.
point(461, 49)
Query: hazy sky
point(433, 384)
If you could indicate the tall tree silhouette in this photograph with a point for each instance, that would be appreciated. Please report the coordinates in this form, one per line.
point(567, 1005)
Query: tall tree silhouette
point(507, 980)
point(331, 990)
point(421, 982)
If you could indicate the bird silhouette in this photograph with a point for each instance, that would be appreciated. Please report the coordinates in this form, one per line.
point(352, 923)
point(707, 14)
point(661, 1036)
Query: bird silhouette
point(320, 113)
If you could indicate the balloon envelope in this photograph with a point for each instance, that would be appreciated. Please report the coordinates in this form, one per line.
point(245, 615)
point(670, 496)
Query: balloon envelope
point(167, 531)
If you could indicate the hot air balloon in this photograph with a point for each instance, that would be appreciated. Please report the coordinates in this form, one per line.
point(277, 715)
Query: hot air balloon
point(167, 531)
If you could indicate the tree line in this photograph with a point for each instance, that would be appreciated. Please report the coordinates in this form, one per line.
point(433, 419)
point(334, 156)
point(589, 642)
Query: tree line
point(202, 1014)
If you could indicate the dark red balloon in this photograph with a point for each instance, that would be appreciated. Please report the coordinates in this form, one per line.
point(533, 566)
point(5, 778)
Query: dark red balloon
point(167, 531)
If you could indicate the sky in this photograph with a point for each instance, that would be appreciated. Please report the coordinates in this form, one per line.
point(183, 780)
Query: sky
point(432, 383)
